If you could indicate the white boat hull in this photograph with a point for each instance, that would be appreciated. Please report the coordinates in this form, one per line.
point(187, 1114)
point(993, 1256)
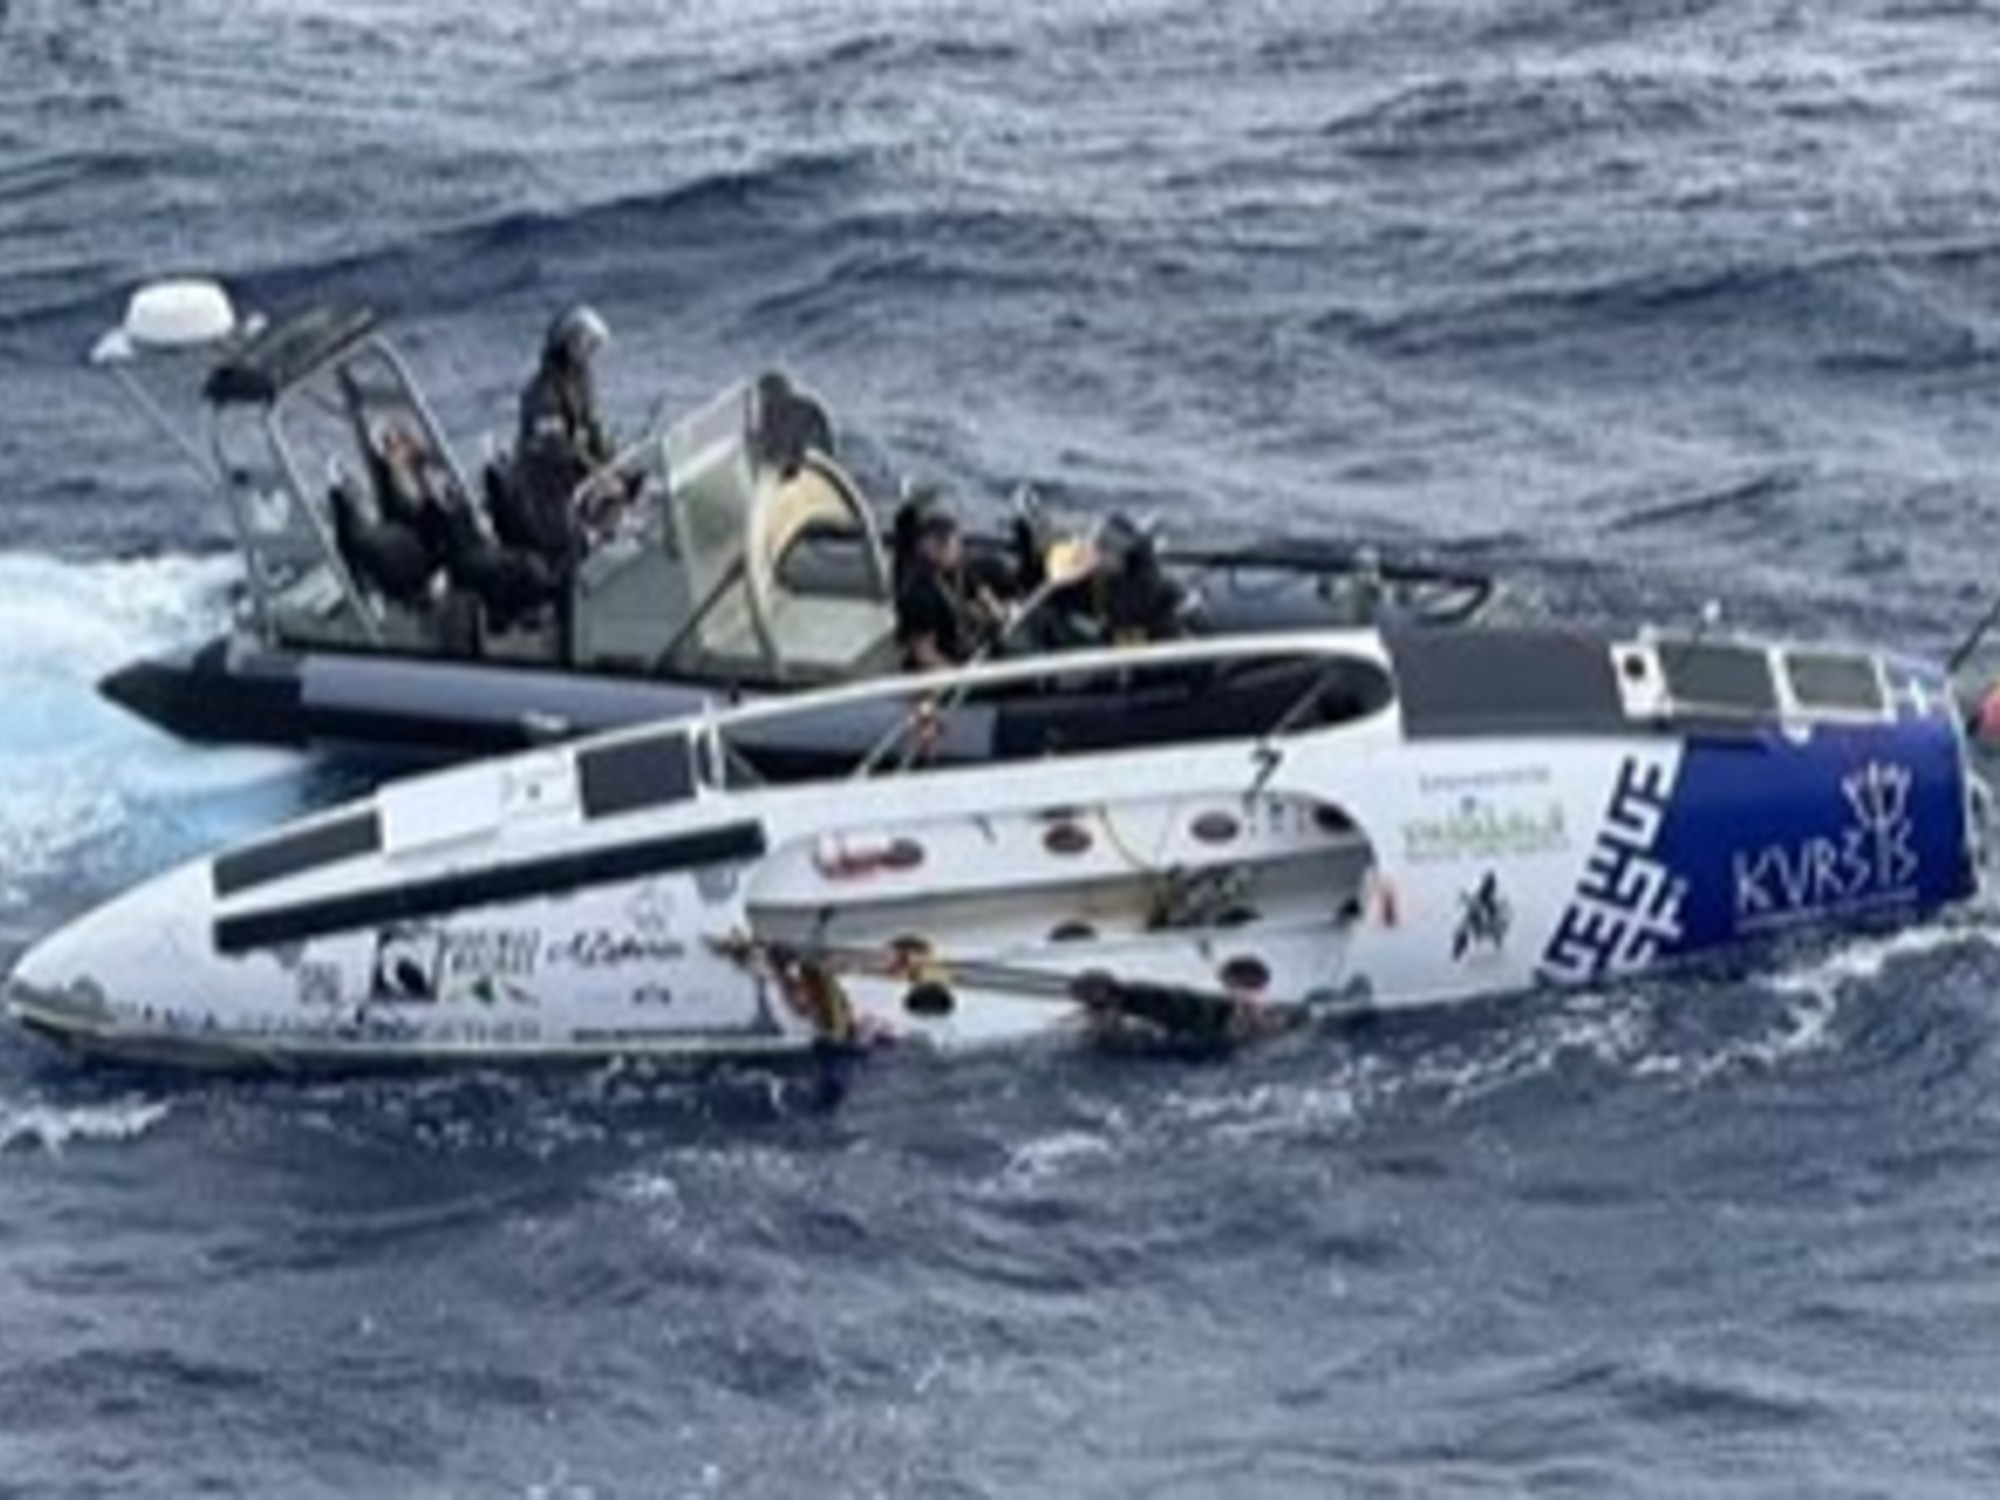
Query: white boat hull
point(610, 900)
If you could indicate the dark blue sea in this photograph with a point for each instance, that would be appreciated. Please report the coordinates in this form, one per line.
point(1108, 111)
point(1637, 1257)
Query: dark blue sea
point(1644, 305)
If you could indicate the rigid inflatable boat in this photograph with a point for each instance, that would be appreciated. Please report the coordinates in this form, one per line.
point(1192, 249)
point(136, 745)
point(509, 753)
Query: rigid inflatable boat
point(749, 561)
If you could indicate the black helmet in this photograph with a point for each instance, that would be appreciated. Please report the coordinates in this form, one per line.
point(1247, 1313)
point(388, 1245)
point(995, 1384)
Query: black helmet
point(921, 509)
point(1123, 542)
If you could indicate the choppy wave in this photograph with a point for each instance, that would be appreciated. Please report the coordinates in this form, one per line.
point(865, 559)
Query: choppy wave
point(1440, 121)
point(31, 1124)
point(81, 784)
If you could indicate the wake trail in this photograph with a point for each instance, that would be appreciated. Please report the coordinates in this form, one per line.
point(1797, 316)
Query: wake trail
point(76, 774)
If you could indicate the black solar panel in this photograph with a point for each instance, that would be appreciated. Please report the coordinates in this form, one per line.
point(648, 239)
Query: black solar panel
point(635, 774)
point(1829, 680)
point(1704, 675)
point(1477, 681)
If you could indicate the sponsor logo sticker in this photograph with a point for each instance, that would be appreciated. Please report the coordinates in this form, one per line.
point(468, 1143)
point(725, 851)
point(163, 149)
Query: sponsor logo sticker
point(420, 965)
point(1479, 829)
point(1872, 861)
point(603, 948)
point(1485, 917)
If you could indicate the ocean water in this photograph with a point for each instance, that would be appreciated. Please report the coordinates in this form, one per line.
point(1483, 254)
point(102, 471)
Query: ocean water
point(1646, 305)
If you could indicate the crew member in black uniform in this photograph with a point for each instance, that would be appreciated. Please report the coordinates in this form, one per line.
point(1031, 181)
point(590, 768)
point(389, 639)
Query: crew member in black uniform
point(937, 623)
point(1135, 601)
point(419, 493)
point(562, 438)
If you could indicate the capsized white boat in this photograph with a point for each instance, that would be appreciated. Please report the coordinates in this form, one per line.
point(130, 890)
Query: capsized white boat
point(1255, 828)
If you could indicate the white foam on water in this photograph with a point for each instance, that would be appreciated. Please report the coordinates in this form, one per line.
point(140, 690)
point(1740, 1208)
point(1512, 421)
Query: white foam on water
point(1331, 1102)
point(73, 768)
point(1611, 1029)
point(39, 1125)
point(1814, 990)
point(1540, 1035)
point(1864, 960)
point(1799, 1028)
point(1050, 1156)
point(655, 1190)
point(686, 1174)
point(1619, 1030)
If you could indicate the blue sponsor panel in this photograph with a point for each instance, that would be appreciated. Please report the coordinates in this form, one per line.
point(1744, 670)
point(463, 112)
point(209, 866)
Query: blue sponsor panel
point(1729, 839)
